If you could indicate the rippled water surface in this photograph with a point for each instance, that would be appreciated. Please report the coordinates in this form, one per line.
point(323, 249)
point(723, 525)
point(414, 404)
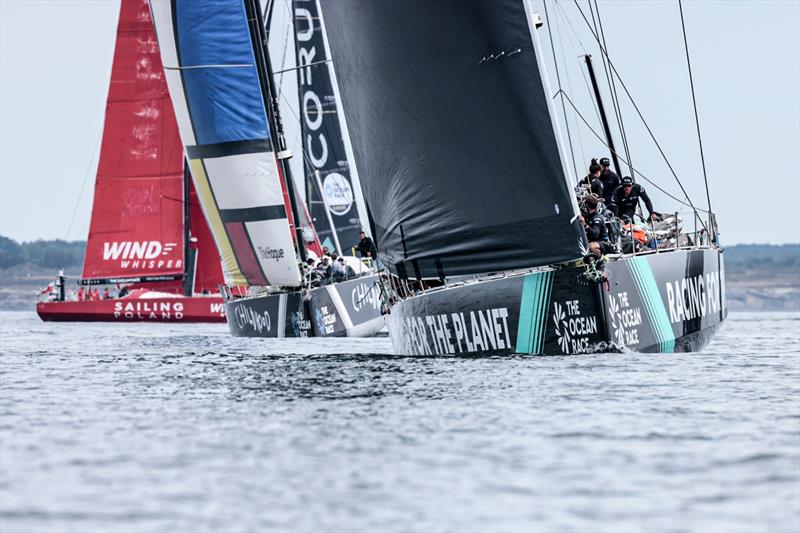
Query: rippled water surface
point(182, 428)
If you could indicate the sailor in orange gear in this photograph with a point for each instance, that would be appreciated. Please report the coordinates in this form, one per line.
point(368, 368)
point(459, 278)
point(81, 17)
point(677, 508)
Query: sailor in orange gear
point(106, 296)
point(80, 293)
point(96, 294)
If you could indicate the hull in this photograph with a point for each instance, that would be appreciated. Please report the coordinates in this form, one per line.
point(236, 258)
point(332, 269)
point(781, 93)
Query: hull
point(182, 309)
point(346, 309)
point(666, 302)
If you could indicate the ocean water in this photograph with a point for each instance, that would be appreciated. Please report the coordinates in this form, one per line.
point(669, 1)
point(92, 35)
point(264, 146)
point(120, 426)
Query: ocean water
point(183, 428)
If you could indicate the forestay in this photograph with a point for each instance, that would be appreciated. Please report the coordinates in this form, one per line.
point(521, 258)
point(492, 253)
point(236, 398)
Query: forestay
point(208, 55)
point(453, 135)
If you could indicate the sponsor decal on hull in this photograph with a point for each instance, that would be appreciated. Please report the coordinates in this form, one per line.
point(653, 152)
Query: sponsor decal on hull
point(153, 310)
point(694, 297)
point(301, 326)
point(625, 320)
point(247, 318)
point(458, 333)
point(326, 320)
point(574, 329)
point(366, 295)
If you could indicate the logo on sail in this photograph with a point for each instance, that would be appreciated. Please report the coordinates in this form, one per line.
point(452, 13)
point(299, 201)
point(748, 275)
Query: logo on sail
point(276, 254)
point(133, 255)
point(113, 251)
point(338, 193)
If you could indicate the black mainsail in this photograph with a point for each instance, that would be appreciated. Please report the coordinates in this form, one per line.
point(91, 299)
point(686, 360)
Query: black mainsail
point(451, 127)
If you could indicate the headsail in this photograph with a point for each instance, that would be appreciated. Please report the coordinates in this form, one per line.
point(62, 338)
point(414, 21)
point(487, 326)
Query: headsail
point(208, 55)
point(325, 143)
point(206, 268)
point(136, 231)
point(452, 135)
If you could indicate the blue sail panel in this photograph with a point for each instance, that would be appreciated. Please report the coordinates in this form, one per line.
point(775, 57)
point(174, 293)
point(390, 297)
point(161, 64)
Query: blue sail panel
point(225, 103)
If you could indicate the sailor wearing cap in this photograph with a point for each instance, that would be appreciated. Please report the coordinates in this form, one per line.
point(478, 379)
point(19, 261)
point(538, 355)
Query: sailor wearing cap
point(626, 198)
point(609, 178)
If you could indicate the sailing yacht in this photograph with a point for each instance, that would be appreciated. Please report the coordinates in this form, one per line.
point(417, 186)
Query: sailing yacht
point(454, 132)
point(148, 243)
point(221, 81)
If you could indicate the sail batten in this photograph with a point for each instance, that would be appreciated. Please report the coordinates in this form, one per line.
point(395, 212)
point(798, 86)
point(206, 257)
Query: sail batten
point(224, 127)
point(452, 135)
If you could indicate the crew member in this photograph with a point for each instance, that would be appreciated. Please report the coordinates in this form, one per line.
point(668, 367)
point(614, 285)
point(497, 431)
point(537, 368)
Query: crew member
point(593, 179)
point(366, 247)
point(609, 179)
point(106, 294)
point(324, 270)
point(338, 272)
point(348, 270)
point(595, 225)
point(626, 198)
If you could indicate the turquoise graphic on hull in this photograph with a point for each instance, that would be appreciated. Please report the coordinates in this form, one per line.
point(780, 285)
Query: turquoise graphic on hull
point(646, 284)
point(536, 291)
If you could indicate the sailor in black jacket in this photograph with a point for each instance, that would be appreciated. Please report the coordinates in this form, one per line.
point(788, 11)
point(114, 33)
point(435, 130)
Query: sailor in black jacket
point(366, 247)
point(609, 179)
point(593, 180)
point(626, 198)
point(595, 225)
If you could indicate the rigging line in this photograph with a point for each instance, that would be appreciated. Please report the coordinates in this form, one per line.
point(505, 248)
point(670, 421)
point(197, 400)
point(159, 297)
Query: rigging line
point(648, 180)
point(575, 52)
point(304, 65)
point(558, 78)
point(85, 179)
point(636, 107)
point(614, 93)
point(283, 56)
point(612, 87)
point(694, 102)
point(569, 85)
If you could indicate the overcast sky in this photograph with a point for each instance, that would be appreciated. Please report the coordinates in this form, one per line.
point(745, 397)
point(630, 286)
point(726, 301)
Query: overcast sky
point(55, 60)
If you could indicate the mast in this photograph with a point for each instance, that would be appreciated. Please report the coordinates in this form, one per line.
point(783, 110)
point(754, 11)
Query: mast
point(264, 67)
point(603, 117)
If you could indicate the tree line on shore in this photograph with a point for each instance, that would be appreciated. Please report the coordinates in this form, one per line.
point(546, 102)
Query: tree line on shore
point(52, 254)
point(56, 254)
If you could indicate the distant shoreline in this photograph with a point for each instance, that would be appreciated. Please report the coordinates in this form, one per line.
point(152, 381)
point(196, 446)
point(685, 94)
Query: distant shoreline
point(758, 277)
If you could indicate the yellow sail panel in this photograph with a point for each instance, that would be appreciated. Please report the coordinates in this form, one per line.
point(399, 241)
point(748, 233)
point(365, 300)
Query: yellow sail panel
point(230, 268)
